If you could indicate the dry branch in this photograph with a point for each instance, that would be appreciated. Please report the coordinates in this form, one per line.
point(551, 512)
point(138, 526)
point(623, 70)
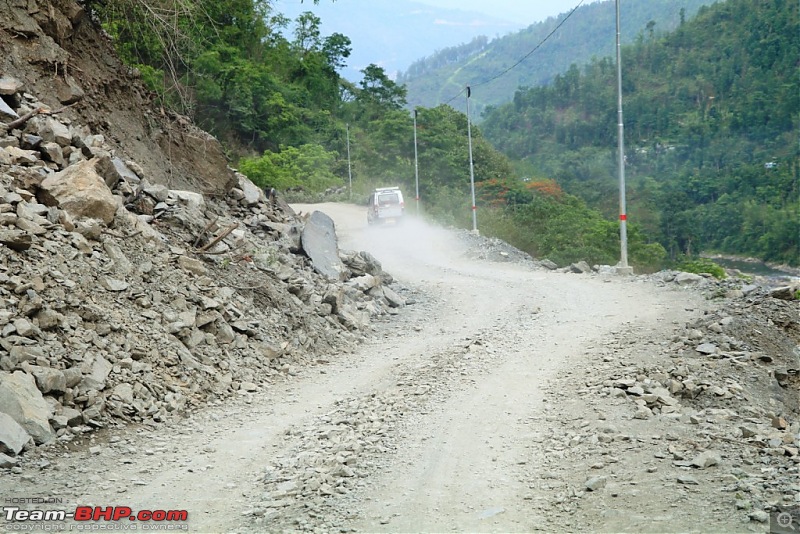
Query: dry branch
point(219, 238)
point(38, 111)
point(205, 231)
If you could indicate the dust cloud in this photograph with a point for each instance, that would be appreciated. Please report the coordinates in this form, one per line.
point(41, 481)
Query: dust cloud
point(399, 247)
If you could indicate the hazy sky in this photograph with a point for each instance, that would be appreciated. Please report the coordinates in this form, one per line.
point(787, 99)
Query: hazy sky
point(383, 31)
point(522, 13)
point(525, 12)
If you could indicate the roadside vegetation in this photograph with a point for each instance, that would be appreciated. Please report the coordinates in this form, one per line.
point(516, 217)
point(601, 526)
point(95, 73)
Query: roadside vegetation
point(711, 120)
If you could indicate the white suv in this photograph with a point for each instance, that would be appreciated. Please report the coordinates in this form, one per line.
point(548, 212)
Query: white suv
point(385, 205)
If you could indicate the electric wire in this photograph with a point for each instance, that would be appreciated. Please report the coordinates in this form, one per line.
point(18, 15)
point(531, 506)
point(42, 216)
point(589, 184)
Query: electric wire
point(526, 56)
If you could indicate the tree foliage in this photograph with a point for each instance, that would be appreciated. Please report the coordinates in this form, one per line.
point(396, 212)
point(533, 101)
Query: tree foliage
point(696, 164)
point(711, 116)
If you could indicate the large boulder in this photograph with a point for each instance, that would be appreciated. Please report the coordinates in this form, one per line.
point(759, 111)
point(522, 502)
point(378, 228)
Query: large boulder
point(81, 191)
point(23, 402)
point(686, 279)
point(319, 243)
point(252, 193)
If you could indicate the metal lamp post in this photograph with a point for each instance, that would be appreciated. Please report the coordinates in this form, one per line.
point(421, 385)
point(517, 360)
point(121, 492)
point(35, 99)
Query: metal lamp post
point(349, 170)
point(471, 168)
point(623, 215)
point(416, 162)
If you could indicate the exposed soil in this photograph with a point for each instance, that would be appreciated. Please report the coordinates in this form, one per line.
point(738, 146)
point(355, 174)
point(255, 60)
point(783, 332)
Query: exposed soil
point(63, 58)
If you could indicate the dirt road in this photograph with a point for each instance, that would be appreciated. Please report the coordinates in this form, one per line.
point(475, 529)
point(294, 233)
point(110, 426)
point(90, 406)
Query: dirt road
point(431, 425)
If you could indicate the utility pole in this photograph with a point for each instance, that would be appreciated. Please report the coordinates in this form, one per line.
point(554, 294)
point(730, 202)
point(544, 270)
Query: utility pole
point(416, 161)
point(349, 170)
point(623, 215)
point(471, 169)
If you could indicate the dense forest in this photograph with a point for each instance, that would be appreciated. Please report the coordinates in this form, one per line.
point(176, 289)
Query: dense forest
point(711, 112)
point(588, 33)
point(711, 116)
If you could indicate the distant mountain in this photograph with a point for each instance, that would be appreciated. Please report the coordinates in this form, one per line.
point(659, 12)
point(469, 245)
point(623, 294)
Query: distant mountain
point(589, 32)
point(395, 34)
point(711, 124)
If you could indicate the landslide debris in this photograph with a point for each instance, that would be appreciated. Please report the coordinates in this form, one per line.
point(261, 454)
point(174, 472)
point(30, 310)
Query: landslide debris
point(126, 301)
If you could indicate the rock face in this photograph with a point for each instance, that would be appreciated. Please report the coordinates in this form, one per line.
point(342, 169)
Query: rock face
point(42, 36)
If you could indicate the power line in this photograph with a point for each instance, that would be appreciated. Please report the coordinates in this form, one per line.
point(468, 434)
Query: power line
point(526, 56)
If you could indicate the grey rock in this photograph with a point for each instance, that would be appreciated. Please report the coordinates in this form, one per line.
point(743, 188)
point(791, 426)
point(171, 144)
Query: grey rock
point(24, 327)
point(785, 292)
point(596, 483)
point(12, 436)
point(7, 461)
point(20, 156)
point(51, 130)
point(548, 264)
point(319, 242)
point(192, 265)
point(706, 459)
point(114, 285)
point(52, 152)
point(31, 141)
point(68, 91)
point(17, 240)
point(580, 267)
point(72, 376)
point(225, 334)
point(125, 172)
point(100, 370)
point(687, 480)
point(22, 400)
point(30, 227)
point(49, 380)
point(121, 262)
point(759, 516)
point(159, 192)
point(363, 283)
point(394, 300)
point(123, 392)
point(7, 113)
point(73, 416)
point(685, 279)
point(9, 85)
point(80, 191)
point(252, 194)
point(706, 348)
point(747, 432)
point(22, 353)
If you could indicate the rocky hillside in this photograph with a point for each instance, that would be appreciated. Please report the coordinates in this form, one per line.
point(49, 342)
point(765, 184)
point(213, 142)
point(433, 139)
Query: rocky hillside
point(127, 301)
point(59, 55)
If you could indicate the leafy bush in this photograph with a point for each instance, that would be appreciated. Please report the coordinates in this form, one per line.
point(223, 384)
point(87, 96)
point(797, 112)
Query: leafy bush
point(307, 167)
point(701, 266)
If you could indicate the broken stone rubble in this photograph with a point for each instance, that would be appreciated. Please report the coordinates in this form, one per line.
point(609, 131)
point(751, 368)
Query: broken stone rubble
point(723, 400)
point(126, 301)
